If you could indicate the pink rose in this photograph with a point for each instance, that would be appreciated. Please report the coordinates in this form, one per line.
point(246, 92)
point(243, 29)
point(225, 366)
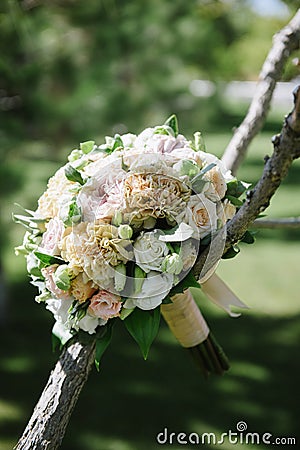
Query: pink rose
point(105, 305)
point(52, 237)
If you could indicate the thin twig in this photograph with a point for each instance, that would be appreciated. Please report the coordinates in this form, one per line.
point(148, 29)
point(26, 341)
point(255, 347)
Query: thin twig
point(284, 43)
point(289, 222)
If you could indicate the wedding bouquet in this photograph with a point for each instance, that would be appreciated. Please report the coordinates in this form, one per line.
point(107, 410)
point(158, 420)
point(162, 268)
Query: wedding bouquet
point(118, 231)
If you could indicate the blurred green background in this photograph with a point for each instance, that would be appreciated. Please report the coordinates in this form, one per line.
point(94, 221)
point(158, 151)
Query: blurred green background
point(76, 70)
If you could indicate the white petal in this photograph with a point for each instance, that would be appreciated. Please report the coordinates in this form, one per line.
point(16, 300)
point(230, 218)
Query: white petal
point(183, 232)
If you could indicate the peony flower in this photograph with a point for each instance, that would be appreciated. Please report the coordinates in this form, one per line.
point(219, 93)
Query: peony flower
point(52, 236)
point(151, 140)
point(102, 193)
point(82, 288)
point(105, 305)
point(155, 288)
point(201, 215)
point(149, 251)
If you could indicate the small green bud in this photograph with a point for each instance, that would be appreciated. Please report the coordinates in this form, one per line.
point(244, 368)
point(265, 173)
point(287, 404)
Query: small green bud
point(74, 155)
point(139, 276)
point(117, 218)
point(87, 147)
point(172, 264)
point(125, 231)
point(62, 278)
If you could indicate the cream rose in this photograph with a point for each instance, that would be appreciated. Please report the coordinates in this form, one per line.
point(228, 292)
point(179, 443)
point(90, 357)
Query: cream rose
point(216, 187)
point(105, 305)
point(201, 215)
point(149, 251)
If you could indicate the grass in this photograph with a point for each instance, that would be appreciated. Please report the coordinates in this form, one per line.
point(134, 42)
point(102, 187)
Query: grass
point(130, 400)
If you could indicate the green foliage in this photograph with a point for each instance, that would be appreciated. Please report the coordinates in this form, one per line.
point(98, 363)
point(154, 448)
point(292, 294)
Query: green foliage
point(143, 327)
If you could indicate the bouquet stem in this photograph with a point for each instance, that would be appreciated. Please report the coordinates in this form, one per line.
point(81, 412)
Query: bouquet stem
point(186, 322)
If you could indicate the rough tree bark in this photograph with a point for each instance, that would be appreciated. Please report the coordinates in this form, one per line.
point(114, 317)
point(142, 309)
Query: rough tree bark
point(47, 425)
point(284, 43)
point(286, 149)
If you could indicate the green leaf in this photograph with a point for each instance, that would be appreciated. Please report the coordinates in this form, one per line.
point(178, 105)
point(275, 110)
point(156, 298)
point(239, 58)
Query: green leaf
point(48, 260)
point(187, 282)
point(235, 201)
point(231, 252)
point(73, 175)
point(125, 312)
point(87, 147)
point(118, 142)
point(236, 188)
point(143, 327)
point(102, 343)
point(198, 182)
point(248, 238)
point(172, 122)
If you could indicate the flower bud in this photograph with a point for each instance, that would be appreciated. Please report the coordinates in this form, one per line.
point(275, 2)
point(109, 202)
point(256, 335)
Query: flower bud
point(74, 155)
point(62, 278)
point(172, 264)
point(125, 231)
point(138, 281)
point(117, 218)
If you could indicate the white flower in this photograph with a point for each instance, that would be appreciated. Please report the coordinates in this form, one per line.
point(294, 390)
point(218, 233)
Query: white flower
point(149, 251)
point(159, 143)
point(201, 215)
point(128, 139)
point(102, 193)
point(59, 308)
point(156, 287)
point(182, 233)
point(208, 158)
point(89, 323)
point(52, 237)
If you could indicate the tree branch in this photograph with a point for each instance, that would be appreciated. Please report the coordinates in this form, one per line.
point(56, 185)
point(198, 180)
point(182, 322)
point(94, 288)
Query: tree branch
point(284, 43)
point(289, 222)
point(286, 149)
point(49, 420)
